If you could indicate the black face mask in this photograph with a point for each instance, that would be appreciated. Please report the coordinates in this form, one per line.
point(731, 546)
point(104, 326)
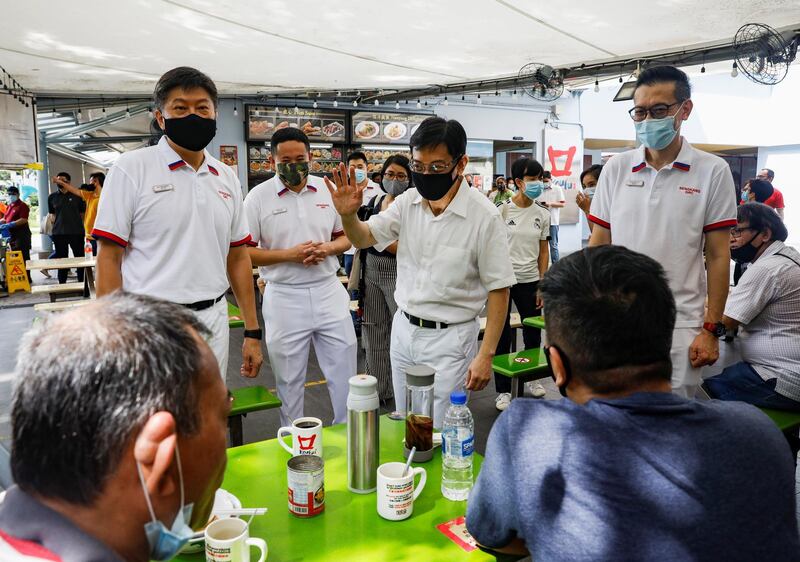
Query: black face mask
point(745, 253)
point(567, 369)
point(434, 186)
point(191, 132)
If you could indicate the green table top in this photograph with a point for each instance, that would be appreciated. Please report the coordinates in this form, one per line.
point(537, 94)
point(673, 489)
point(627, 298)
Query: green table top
point(350, 528)
point(520, 362)
point(534, 322)
point(235, 319)
point(251, 399)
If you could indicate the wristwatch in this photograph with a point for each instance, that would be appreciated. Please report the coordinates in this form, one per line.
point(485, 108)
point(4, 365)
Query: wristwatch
point(255, 334)
point(716, 328)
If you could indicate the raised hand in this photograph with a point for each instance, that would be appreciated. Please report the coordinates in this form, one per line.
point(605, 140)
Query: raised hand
point(347, 196)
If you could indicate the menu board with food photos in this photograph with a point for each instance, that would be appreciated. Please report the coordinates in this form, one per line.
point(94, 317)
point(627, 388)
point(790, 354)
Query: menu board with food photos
point(320, 125)
point(378, 155)
point(375, 127)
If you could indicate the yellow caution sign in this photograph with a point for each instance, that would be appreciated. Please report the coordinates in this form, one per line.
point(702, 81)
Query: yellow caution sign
point(15, 273)
point(34, 166)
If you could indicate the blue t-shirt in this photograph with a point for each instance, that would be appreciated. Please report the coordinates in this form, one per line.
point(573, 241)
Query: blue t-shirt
point(651, 476)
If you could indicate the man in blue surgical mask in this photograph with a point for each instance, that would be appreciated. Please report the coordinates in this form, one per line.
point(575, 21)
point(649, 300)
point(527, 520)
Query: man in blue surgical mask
point(118, 445)
point(669, 201)
point(358, 160)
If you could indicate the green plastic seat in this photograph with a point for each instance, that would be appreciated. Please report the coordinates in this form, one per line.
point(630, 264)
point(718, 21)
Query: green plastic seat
point(521, 367)
point(246, 400)
point(786, 421)
point(534, 322)
point(235, 319)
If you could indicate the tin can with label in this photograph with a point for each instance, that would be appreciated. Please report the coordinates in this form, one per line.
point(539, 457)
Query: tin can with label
point(306, 480)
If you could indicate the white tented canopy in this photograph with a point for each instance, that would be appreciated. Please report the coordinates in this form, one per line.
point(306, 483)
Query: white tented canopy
point(252, 46)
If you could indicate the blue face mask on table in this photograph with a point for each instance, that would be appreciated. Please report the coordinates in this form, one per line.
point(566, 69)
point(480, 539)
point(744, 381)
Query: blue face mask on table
point(657, 133)
point(533, 189)
point(165, 543)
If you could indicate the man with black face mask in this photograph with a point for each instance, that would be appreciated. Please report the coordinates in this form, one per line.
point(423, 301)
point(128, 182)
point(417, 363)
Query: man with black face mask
point(171, 220)
point(299, 235)
point(452, 259)
point(765, 306)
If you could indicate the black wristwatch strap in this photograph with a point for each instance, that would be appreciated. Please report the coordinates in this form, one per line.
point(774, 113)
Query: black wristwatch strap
point(255, 334)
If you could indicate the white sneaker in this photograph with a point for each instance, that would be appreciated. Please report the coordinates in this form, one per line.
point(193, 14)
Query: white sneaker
point(535, 389)
point(502, 401)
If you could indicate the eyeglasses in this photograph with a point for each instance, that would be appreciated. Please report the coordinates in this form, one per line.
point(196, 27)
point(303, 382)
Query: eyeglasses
point(657, 111)
point(394, 176)
point(434, 168)
point(737, 232)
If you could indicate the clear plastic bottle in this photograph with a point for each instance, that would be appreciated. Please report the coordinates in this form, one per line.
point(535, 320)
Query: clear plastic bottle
point(458, 436)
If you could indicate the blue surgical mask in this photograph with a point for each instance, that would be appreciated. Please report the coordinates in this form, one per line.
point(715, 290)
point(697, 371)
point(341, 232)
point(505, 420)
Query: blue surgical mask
point(166, 543)
point(13, 198)
point(533, 189)
point(589, 191)
point(361, 175)
point(657, 133)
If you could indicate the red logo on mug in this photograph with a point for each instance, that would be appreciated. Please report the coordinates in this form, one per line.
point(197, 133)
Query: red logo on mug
point(306, 443)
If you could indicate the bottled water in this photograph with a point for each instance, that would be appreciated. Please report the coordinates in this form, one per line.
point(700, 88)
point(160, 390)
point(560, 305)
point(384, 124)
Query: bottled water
point(458, 434)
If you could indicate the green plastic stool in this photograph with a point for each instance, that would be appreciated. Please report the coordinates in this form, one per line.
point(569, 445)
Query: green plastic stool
point(246, 400)
point(235, 319)
point(521, 367)
point(534, 322)
point(786, 421)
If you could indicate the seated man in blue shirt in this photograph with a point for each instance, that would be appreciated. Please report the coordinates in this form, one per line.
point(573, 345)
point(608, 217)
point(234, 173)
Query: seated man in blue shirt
point(623, 469)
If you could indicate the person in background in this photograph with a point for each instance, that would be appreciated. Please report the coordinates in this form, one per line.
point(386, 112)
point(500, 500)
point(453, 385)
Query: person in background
point(528, 228)
point(759, 191)
point(510, 184)
point(589, 178)
point(378, 278)
point(652, 475)
point(358, 160)
point(468, 179)
point(376, 178)
point(765, 307)
point(90, 193)
point(677, 205)
point(502, 193)
point(554, 199)
point(452, 261)
point(171, 221)
point(776, 199)
point(299, 237)
point(68, 211)
point(15, 222)
point(89, 484)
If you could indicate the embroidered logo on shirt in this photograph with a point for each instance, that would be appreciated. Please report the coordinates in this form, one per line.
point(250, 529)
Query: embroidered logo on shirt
point(224, 194)
point(537, 223)
point(689, 190)
point(512, 223)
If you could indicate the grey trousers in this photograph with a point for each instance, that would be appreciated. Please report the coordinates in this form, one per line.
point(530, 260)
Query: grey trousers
point(376, 327)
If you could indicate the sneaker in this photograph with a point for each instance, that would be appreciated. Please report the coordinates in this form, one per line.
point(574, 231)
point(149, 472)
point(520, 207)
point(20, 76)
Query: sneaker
point(502, 401)
point(535, 389)
point(46, 273)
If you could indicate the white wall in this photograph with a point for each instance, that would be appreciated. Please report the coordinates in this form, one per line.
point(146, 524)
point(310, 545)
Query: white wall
point(230, 131)
point(784, 160)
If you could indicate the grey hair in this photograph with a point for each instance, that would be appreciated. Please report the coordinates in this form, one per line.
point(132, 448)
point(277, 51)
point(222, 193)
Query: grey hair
point(88, 379)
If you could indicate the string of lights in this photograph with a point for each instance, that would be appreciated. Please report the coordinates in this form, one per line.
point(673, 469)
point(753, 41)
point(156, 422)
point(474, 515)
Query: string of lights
point(10, 87)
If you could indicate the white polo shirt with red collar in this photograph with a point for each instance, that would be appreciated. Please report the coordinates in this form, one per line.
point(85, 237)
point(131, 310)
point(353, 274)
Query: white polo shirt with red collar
point(279, 219)
point(176, 224)
point(665, 215)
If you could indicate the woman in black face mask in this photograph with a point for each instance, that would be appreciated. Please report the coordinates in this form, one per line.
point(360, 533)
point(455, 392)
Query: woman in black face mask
point(377, 278)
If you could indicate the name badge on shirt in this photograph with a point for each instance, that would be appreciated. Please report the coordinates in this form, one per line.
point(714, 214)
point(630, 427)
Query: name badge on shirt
point(163, 187)
point(635, 183)
point(279, 211)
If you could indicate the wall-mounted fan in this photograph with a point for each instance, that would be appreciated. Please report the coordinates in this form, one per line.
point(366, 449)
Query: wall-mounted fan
point(541, 82)
point(762, 53)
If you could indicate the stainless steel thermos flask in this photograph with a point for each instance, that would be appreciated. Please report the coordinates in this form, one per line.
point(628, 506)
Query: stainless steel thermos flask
point(363, 443)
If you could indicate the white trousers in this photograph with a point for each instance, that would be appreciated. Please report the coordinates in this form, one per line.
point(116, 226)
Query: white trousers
point(447, 351)
point(293, 319)
point(685, 378)
point(216, 319)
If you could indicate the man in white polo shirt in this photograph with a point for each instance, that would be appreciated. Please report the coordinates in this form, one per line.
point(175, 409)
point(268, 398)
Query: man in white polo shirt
point(452, 260)
point(299, 236)
point(553, 198)
point(358, 160)
point(171, 222)
point(670, 201)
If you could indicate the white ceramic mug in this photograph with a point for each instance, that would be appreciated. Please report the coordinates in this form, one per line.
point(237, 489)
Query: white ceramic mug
point(228, 540)
point(396, 492)
point(306, 437)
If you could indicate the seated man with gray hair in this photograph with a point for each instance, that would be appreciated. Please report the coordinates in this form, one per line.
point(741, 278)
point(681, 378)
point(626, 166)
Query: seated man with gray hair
point(107, 434)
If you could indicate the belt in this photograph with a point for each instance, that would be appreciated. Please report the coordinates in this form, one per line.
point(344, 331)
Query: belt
point(422, 323)
point(202, 305)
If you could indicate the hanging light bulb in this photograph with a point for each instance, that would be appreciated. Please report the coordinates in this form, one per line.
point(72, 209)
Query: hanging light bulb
point(377, 102)
point(479, 99)
point(735, 70)
point(620, 79)
point(596, 85)
point(462, 97)
point(419, 104)
point(235, 109)
point(514, 95)
point(150, 111)
point(397, 105)
point(335, 103)
point(703, 69)
point(426, 103)
point(314, 105)
point(445, 101)
point(355, 103)
point(128, 112)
